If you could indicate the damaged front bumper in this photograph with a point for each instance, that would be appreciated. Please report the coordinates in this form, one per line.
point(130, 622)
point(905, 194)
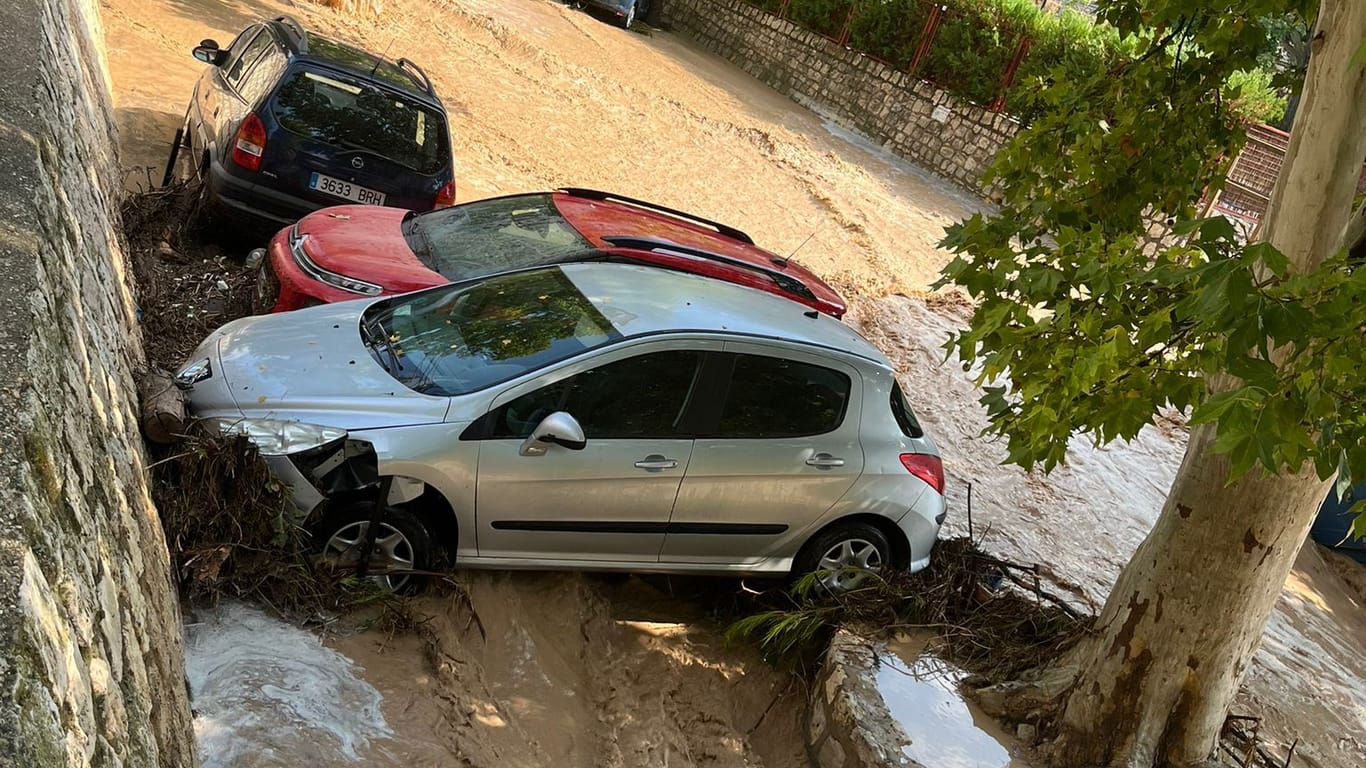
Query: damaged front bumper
point(337, 468)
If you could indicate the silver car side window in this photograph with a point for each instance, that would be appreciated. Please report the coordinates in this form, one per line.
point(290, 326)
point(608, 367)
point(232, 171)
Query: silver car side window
point(773, 397)
point(639, 397)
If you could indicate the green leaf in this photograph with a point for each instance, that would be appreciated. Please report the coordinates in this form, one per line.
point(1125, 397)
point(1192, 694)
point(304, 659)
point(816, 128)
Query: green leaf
point(1344, 482)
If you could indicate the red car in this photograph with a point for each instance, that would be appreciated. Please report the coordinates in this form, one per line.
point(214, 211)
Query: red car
point(352, 251)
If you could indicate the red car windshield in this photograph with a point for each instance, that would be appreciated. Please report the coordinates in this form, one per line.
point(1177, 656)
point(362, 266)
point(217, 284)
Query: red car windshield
point(490, 236)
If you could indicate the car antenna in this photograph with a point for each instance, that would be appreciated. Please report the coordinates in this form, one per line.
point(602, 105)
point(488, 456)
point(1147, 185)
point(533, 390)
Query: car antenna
point(385, 55)
point(782, 262)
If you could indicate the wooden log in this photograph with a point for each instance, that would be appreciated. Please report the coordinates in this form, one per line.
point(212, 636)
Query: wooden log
point(163, 408)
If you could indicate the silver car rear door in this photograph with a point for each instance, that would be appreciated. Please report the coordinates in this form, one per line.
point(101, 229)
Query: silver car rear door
point(786, 448)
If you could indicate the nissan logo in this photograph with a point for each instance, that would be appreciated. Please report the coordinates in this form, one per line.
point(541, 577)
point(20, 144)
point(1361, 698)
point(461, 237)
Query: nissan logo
point(356, 162)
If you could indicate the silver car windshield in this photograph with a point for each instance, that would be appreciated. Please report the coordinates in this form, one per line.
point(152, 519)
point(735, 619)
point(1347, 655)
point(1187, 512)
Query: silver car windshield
point(464, 338)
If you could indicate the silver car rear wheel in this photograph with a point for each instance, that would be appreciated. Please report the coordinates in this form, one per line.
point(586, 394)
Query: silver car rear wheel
point(845, 556)
point(848, 564)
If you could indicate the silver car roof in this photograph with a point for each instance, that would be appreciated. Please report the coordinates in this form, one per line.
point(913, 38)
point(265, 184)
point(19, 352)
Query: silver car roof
point(641, 300)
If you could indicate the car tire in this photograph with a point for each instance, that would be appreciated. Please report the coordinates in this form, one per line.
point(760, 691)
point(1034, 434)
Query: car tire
point(266, 294)
point(848, 553)
point(403, 542)
point(205, 201)
point(629, 18)
point(181, 146)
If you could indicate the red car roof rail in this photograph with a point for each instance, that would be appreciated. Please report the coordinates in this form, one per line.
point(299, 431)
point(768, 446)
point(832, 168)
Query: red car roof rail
point(784, 281)
point(724, 229)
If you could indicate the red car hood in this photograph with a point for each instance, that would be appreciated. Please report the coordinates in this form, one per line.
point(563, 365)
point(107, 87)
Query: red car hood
point(599, 219)
point(366, 242)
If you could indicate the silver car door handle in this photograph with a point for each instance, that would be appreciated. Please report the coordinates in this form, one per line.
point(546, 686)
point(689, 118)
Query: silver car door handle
point(655, 461)
point(824, 461)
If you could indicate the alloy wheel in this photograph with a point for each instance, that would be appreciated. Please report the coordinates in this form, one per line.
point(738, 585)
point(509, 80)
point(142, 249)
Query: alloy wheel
point(392, 552)
point(848, 563)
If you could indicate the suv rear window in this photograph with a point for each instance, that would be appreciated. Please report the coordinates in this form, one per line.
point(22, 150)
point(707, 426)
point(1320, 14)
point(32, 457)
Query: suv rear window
point(905, 417)
point(345, 112)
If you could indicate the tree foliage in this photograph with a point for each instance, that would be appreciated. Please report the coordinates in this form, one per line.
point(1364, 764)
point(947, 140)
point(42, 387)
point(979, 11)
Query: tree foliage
point(1094, 329)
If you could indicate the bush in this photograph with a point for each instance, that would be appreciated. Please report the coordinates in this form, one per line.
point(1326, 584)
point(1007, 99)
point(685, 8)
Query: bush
point(889, 29)
point(1063, 47)
point(975, 43)
point(1251, 97)
point(823, 16)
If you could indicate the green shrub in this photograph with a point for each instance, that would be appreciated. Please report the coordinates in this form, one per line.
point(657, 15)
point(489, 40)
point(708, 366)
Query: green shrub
point(975, 43)
point(771, 6)
point(823, 16)
point(1063, 47)
point(1251, 96)
point(889, 29)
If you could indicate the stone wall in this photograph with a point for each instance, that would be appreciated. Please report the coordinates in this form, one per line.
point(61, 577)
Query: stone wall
point(91, 669)
point(914, 119)
point(848, 723)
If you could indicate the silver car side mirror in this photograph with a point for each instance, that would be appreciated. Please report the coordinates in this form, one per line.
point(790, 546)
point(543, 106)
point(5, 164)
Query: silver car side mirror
point(559, 428)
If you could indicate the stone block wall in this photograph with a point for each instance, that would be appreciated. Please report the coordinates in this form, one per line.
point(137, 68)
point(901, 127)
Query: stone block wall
point(91, 664)
point(848, 723)
point(952, 138)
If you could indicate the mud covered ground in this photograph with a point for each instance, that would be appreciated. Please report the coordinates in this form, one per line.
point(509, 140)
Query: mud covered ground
point(550, 669)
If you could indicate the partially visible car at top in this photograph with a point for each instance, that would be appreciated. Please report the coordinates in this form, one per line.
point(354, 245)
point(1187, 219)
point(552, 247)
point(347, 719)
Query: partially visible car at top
point(625, 11)
point(285, 121)
point(1333, 527)
point(583, 416)
point(348, 252)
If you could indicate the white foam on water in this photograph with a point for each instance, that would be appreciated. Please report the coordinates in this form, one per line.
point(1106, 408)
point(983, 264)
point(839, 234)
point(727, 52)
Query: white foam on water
point(266, 693)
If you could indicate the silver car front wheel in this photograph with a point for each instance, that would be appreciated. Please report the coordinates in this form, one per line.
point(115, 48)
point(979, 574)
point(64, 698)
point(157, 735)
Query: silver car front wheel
point(401, 545)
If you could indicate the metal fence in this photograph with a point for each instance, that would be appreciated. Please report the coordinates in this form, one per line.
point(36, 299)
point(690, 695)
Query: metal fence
point(1252, 178)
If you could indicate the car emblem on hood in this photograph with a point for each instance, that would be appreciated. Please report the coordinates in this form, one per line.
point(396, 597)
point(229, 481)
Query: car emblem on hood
point(356, 162)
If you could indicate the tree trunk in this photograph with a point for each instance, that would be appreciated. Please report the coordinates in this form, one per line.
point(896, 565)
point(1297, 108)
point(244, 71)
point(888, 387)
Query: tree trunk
point(1170, 648)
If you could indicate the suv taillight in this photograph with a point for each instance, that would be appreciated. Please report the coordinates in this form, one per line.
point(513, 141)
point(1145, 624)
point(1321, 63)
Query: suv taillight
point(926, 467)
point(250, 143)
point(446, 196)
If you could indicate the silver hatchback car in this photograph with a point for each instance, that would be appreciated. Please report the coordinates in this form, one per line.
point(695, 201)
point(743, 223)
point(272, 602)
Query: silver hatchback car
point(594, 416)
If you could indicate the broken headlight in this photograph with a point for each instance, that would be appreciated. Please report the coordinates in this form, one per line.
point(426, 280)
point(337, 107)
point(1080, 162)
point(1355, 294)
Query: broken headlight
point(193, 373)
point(274, 437)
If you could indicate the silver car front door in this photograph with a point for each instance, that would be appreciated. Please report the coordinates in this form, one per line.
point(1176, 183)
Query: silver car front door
point(611, 499)
point(784, 449)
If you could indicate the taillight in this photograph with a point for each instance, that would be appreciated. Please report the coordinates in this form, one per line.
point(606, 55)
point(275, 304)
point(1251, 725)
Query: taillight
point(446, 197)
point(926, 467)
point(250, 143)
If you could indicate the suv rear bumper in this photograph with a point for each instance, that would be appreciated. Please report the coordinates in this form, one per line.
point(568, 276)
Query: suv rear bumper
point(256, 202)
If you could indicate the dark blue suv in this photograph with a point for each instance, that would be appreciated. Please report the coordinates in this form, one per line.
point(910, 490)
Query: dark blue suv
point(286, 121)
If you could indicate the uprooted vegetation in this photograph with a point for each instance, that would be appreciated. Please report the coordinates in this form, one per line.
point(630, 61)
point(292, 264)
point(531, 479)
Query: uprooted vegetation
point(227, 520)
point(981, 624)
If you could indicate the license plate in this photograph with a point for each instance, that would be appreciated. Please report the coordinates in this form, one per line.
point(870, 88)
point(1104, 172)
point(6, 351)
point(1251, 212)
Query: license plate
point(345, 190)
